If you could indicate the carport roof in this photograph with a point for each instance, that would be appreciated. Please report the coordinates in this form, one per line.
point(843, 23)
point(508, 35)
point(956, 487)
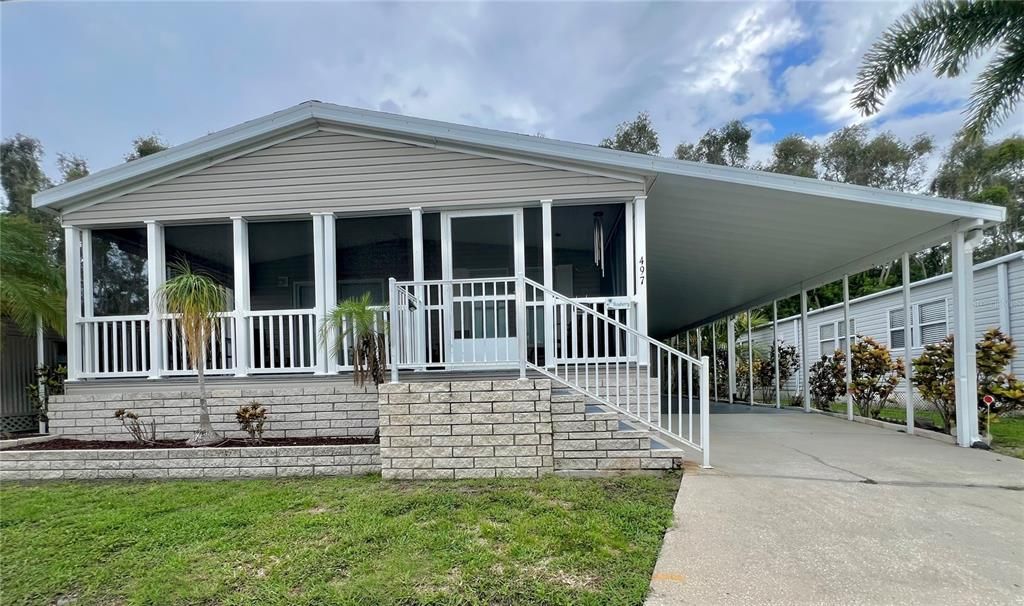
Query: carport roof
point(718, 238)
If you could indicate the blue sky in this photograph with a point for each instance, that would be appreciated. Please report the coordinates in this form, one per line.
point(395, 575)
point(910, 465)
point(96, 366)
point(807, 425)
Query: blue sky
point(86, 78)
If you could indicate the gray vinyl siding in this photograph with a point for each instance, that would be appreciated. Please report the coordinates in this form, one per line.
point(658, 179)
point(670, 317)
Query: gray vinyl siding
point(326, 171)
point(870, 314)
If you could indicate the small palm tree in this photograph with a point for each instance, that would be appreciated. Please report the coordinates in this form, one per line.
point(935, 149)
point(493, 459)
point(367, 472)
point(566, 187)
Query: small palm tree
point(356, 317)
point(31, 288)
point(196, 299)
point(947, 35)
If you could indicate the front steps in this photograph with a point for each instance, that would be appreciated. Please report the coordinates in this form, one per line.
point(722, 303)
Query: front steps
point(590, 438)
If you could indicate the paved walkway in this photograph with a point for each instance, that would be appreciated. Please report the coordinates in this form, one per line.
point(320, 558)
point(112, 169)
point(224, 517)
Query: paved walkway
point(807, 509)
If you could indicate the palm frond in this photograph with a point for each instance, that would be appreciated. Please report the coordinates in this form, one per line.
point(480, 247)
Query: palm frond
point(997, 90)
point(30, 286)
point(196, 299)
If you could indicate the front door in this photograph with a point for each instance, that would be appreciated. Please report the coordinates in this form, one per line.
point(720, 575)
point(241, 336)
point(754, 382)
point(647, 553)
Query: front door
point(482, 251)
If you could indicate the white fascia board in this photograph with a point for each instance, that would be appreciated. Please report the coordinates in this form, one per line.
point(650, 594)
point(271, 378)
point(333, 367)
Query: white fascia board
point(641, 164)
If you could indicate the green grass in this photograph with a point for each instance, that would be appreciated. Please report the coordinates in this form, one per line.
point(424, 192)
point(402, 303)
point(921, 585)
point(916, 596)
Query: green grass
point(334, 541)
point(1007, 432)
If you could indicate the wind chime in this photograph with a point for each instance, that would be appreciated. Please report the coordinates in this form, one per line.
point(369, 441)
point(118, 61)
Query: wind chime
point(599, 241)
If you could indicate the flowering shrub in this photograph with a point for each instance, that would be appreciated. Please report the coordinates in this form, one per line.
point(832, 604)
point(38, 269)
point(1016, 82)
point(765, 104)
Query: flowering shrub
point(828, 380)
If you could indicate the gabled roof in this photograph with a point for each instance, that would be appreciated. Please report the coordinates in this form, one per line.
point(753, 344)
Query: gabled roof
point(225, 140)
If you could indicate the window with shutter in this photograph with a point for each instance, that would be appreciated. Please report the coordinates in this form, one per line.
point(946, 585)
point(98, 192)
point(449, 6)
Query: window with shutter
point(931, 318)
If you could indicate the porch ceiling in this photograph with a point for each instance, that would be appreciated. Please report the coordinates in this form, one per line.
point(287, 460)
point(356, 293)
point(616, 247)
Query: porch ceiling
point(716, 246)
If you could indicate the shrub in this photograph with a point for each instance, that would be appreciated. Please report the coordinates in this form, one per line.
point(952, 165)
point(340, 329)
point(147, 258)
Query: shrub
point(251, 419)
point(875, 374)
point(828, 380)
point(764, 370)
point(935, 379)
point(134, 425)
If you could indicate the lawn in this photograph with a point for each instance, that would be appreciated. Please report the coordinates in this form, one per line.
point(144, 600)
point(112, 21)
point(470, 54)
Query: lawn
point(1007, 432)
point(334, 541)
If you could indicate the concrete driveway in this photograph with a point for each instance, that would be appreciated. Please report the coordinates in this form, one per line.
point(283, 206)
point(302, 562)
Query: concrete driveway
point(808, 509)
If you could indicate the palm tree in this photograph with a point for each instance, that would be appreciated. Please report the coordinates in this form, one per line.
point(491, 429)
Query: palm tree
point(356, 317)
point(31, 287)
point(947, 35)
point(196, 299)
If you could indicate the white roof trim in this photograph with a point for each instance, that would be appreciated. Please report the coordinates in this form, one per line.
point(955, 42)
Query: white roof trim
point(497, 140)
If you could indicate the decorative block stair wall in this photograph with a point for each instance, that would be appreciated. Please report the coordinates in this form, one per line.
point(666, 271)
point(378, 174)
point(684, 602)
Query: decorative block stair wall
point(590, 438)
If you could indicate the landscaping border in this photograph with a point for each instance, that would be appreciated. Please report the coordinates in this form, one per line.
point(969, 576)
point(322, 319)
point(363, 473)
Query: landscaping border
point(182, 463)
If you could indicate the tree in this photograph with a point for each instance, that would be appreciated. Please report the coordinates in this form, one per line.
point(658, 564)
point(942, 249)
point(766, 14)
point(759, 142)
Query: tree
point(71, 167)
point(195, 299)
point(145, 146)
point(21, 173)
point(973, 169)
point(827, 378)
point(31, 288)
point(636, 136)
point(356, 318)
point(947, 35)
point(794, 155)
point(885, 162)
point(728, 146)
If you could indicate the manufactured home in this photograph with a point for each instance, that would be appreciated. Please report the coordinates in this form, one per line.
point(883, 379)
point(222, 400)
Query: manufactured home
point(491, 256)
point(998, 303)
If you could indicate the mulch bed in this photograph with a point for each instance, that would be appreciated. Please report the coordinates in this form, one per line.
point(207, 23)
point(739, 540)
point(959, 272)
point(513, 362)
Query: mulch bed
point(68, 444)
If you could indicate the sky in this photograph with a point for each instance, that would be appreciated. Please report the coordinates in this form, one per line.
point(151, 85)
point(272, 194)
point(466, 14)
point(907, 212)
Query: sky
point(88, 77)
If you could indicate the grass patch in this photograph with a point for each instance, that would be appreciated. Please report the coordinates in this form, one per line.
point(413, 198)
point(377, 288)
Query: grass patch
point(334, 541)
point(1007, 432)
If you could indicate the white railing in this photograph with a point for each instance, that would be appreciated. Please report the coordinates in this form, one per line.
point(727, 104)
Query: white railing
point(282, 341)
point(220, 352)
point(502, 322)
point(114, 346)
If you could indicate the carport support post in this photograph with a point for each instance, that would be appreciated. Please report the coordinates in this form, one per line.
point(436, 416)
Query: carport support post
point(750, 360)
point(705, 415)
point(805, 366)
point(965, 362)
point(775, 350)
point(847, 346)
point(908, 385)
point(640, 241)
point(730, 335)
point(714, 354)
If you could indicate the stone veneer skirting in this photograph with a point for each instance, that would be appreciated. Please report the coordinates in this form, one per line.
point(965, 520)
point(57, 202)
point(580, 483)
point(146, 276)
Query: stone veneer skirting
point(335, 410)
point(248, 462)
point(517, 428)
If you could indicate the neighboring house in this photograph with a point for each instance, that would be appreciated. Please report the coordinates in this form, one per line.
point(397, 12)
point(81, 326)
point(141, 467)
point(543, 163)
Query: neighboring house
point(998, 303)
point(21, 357)
point(488, 252)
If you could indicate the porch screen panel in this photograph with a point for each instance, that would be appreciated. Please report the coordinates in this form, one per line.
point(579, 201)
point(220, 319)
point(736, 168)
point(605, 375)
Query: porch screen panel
point(281, 265)
point(577, 273)
point(369, 251)
point(119, 273)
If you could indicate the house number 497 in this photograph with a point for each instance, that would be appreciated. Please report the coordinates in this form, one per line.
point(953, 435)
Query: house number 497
point(642, 271)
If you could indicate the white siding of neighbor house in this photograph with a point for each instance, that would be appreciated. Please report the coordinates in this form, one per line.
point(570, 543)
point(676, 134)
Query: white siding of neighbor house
point(326, 171)
point(870, 313)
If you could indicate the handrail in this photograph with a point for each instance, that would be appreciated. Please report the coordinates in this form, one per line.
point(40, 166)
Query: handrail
point(612, 321)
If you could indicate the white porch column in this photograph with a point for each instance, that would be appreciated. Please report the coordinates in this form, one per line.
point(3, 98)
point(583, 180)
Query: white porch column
point(320, 293)
point(73, 277)
point(775, 352)
point(416, 217)
point(750, 359)
point(88, 333)
point(240, 239)
point(730, 323)
point(908, 385)
point(330, 277)
point(156, 268)
point(965, 362)
point(804, 362)
point(848, 345)
point(549, 279)
point(640, 227)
